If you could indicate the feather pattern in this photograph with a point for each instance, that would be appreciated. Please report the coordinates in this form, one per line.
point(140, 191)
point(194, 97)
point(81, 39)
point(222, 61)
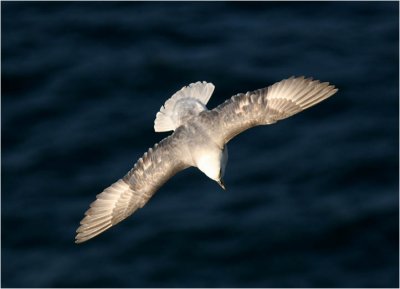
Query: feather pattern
point(186, 102)
point(265, 106)
point(132, 192)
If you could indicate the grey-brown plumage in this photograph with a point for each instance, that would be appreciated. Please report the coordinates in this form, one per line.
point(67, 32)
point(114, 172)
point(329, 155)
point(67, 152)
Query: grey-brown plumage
point(199, 139)
point(133, 191)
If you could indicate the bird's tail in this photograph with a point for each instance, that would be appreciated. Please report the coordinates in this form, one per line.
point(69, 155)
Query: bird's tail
point(199, 91)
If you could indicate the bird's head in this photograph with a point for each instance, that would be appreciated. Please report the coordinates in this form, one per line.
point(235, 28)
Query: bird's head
point(213, 165)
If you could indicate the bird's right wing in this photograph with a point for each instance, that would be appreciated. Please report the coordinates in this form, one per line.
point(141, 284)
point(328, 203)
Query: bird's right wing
point(125, 196)
point(265, 106)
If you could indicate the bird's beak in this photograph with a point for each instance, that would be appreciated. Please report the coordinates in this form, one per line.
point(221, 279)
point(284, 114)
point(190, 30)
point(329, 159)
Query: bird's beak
point(221, 183)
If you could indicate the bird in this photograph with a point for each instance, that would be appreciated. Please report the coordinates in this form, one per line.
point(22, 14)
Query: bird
point(199, 139)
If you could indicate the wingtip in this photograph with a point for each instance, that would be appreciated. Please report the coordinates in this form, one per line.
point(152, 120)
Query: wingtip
point(78, 240)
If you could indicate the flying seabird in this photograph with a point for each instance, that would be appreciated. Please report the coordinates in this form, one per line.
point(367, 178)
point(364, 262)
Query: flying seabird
point(199, 139)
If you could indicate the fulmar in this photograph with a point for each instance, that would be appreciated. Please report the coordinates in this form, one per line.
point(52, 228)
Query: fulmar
point(199, 139)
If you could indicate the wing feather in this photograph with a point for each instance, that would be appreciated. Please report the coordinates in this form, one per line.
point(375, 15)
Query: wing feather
point(266, 106)
point(132, 192)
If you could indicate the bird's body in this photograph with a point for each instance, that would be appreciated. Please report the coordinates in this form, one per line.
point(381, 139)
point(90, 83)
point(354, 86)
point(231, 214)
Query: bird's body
point(199, 139)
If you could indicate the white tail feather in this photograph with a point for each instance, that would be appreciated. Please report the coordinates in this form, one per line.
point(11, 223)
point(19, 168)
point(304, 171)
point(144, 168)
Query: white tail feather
point(165, 120)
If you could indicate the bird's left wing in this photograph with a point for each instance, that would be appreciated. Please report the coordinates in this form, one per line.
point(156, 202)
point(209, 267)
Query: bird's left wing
point(265, 106)
point(125, 196)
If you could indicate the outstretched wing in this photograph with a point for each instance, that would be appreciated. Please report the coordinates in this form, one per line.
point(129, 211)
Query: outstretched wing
point(125, 196)
point(266, 106)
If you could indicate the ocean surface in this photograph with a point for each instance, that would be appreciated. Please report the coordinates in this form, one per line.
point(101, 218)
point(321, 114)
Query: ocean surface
point(312, 201)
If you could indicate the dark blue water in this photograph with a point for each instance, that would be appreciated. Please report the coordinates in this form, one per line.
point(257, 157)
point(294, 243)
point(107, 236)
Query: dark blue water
point(312, 201)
